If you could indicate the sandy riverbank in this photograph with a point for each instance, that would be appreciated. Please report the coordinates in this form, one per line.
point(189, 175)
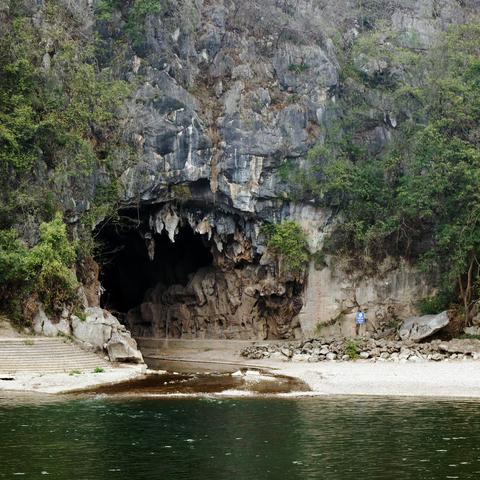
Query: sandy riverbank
point(427, 379)
point(58, 383)
point(455, 378)
point(448, 378)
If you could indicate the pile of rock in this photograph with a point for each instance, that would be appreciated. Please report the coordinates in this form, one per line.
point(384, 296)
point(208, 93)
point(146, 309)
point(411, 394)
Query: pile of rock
point(317, 350)
point(98, 331)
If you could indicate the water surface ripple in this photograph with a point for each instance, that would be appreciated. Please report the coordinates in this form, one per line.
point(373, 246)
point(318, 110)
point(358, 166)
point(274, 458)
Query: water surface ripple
point(249, 438)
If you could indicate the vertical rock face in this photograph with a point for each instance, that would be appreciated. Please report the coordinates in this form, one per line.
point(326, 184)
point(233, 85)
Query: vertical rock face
point(227, 92)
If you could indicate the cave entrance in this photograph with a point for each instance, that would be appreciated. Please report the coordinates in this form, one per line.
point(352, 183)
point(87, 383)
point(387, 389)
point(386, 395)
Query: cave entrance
point(134, 263)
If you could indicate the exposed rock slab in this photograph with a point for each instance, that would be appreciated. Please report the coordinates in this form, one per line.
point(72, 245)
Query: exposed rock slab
point(43, 325)
point(458, 345)
point(123, 348)
point(102, 331)
point(418, 328)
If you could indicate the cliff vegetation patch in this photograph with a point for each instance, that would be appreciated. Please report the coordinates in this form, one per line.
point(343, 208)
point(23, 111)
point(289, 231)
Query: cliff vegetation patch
point(401, 160)
point(288, 240)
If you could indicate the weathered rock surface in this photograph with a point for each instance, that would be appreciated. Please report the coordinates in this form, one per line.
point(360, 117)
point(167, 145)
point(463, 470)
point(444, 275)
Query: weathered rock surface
point(473, 330)
point(102, 331)
point(121, 347)
point(418, 328)
point(43, 325)
point(460, 345)
point(226, 93)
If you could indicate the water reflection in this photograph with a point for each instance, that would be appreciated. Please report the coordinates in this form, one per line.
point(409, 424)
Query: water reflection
point(211, 438)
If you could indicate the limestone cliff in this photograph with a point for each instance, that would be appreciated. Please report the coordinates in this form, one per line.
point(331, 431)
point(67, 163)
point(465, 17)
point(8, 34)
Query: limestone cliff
point(226, 92)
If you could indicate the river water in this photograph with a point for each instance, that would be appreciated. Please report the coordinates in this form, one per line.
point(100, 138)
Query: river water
point(100, 437)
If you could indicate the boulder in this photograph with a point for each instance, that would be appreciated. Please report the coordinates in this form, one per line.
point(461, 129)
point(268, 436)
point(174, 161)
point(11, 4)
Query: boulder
point(38, 321)
point(299, 357)
point(123, 348)
point(95, 329)
point(475, 330)
point(458, 345)
point(101, 330)
point(418, 328)
point(43, 325)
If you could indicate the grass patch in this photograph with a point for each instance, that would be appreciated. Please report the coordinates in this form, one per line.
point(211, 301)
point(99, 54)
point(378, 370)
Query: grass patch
point(74, 372)
point(98, 370)
point(298, 67)
point(352, 349)
point(468, 336)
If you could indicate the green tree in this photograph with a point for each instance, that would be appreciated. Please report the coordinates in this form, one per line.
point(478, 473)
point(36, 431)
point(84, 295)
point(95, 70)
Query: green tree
point(289, 241)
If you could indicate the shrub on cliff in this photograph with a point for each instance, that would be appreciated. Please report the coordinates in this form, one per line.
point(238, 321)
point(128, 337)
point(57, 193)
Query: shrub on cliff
point(288, 241)
point(417, 196)
point(44, 270)
point(60, 114)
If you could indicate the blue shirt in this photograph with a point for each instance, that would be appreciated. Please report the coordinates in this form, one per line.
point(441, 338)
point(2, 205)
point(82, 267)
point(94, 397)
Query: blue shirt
point(360, 318)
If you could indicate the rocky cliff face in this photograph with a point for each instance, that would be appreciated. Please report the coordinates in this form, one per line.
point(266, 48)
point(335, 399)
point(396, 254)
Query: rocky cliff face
point(227, 92)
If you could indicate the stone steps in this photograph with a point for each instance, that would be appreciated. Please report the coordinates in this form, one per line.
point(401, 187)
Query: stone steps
point(45, 355)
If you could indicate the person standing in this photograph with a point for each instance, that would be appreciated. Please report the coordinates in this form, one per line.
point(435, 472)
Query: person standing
point(359, 320)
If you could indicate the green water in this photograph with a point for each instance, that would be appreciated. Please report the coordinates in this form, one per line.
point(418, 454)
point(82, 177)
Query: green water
point(248, 438)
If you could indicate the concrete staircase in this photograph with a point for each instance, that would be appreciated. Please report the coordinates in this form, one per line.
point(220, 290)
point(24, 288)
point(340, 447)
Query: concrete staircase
point(45, 355)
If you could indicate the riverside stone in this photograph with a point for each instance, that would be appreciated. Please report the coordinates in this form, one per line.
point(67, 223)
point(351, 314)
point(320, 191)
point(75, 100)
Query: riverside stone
point(121, 347)
point(418, 328)
point(43, 325)
point(458, 345)
point(102, 331)
point(394, 351)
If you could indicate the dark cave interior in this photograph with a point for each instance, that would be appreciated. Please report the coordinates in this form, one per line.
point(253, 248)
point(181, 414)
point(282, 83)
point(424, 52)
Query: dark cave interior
point(127, 271)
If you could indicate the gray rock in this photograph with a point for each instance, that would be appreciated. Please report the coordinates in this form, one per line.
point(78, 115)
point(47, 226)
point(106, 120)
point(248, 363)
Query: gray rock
point(286, 352)
point(415, 359)
point(103, 331)
point(364, 355)
point(475, 330)
point(300, 357)
point(123, 348)
point(49, 329)
point(43, 325)
point(418, 328)
point(458, 345)
point(39, 320)
point(331, 356)
point(96, 329)
point(394, 357)
point(404, 353)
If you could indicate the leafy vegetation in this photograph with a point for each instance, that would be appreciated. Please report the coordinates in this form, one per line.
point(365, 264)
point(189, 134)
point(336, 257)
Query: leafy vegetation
point(436, 304)
point(352, 349)
point(60, 122)
point(417, 195)
point(135, 13)
point(44, 270)
point(298, 68)
point(288, 241)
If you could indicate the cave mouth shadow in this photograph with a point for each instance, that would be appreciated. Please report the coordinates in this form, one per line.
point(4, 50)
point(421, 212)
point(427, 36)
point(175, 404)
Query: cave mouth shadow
point(128, 271)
